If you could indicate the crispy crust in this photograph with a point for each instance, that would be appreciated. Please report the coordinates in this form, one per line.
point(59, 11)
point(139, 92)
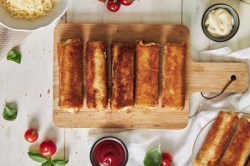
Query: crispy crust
point(239, 147)
point(122, 76)
point(70, 75)
point(173, 94)
point(216, 140)
point(248, 161)
point(147, 68)
point(96, 75)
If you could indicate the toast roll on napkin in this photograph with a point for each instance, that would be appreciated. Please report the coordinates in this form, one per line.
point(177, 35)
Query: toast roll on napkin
point(238, 149)
point(147, 76)
point(216, 140)
point(122, 76)
point(173, 93)
point(96, 75)
point(70, 75)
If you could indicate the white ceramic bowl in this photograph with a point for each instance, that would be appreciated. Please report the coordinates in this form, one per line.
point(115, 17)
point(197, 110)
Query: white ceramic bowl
point(235, 26)
point(27, 25)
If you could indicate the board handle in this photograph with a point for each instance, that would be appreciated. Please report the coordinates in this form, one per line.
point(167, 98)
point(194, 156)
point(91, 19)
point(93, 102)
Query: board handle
point(212, 77)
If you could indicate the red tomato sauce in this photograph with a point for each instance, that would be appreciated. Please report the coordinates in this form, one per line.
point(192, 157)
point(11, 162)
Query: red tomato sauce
point(109, 153)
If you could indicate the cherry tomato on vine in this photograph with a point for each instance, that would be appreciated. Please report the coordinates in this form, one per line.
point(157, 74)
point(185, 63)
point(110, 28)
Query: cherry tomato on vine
point(31, 135)
point(166, 159)
point(113, 6)
point(126, 2)
point(47, 148)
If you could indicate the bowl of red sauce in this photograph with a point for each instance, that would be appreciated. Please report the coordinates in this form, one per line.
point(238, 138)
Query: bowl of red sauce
point(109, 151)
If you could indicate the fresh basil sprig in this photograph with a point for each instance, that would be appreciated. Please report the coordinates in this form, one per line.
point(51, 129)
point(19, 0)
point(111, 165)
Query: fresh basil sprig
point(153, 157)
point(46, 161)
point(14, 56)
point(10, 112)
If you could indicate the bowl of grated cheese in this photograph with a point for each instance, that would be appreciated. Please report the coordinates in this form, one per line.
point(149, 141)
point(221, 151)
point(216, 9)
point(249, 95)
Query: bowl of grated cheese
point(28, 15)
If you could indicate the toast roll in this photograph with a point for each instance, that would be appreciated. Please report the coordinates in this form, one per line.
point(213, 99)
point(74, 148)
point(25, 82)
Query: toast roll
point(70, 75)
point(238, 149)
point(147, 76)
point(122, 76)
point(216, 140)
point(173, 93)
point(96, 75)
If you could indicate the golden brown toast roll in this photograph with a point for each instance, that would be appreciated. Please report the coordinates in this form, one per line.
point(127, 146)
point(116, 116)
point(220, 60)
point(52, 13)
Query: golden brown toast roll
point(216, 140)
point(173, 93)
point(96, 75)
point(122, 76)
point(70, 75)
point(147, 68)
point(237, 152)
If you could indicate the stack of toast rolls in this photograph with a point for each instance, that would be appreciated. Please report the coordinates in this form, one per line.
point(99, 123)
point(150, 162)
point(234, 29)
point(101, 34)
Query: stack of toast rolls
point(135, 75)
point(238, 149)
point(227, 142)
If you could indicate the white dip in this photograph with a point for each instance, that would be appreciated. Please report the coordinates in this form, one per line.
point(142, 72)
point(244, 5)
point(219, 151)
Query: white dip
point(219, 22)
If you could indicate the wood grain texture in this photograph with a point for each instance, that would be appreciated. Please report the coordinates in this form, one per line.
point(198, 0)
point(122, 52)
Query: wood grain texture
point(206, 77)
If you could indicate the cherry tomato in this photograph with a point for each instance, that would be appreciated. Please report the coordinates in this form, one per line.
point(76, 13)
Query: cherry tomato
point(166, 159)
point(31, 135)
point(126, 2)
point(113, 6)
point(47, 148)
point(101, 0)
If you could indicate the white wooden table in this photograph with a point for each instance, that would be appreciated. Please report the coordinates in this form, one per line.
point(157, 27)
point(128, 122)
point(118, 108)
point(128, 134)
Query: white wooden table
point(30, 83)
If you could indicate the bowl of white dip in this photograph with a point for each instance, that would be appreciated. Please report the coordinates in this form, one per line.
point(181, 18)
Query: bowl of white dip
point(220, 22)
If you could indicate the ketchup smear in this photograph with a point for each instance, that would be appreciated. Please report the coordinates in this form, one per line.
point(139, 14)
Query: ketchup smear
point(109, 153)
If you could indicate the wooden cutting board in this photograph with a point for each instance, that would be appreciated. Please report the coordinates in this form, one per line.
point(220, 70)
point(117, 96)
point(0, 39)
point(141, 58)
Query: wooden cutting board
point(200, 77)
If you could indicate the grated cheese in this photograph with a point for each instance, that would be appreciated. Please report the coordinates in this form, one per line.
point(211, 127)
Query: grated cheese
point(28, 9)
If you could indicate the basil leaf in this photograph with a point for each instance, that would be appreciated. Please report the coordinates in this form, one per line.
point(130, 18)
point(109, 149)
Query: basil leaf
point(37, 157)
point(60, 162)
point(14, 56)
point(10, 112)
point(48, 163)
point(153, 157)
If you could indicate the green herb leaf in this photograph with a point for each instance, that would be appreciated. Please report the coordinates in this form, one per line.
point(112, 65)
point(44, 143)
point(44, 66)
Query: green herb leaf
point(153, 157)
point(38, 158)
point(10, 112)
point(14, 56)
point(206, 26)
point(48, 163)
point(60, 162)
point(106, 2)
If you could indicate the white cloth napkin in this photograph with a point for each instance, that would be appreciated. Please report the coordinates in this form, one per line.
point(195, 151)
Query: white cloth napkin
point(180, 142)
point(10, 39)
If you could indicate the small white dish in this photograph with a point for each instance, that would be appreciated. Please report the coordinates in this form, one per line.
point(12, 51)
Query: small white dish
point(234, 28)
point(27, 25)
